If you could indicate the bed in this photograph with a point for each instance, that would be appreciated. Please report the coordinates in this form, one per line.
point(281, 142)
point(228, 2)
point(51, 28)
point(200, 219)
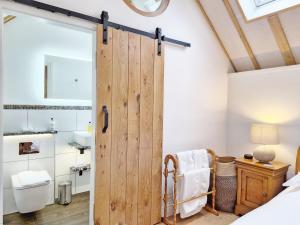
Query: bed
point(281, 210)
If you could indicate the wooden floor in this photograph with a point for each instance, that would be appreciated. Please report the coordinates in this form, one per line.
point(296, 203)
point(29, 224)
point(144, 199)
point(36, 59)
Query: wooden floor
point(77, 213)
point(205, 218)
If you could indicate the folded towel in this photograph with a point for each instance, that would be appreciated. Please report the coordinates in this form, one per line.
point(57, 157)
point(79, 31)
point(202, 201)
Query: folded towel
point(192, 160)
point(194, 166)
point(201, 159)
point(193, 184)
point(186, 162)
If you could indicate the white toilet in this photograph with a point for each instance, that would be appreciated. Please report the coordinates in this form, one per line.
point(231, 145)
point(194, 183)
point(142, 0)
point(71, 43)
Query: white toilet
point(31, 190)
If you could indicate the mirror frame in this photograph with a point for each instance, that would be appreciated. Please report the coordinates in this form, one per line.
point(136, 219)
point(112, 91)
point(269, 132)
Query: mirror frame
point(163, 6)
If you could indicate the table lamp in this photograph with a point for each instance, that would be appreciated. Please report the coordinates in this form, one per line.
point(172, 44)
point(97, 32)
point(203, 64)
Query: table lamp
point(264, 134)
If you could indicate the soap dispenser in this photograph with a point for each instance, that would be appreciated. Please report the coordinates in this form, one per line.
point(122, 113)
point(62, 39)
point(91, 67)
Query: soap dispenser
point(89, 128)
point(52, 125)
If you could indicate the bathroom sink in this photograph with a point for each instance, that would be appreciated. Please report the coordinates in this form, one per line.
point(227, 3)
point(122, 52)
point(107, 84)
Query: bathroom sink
point(83, 138)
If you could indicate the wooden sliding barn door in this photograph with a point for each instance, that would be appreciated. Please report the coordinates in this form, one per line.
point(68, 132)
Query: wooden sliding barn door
point(129, 153)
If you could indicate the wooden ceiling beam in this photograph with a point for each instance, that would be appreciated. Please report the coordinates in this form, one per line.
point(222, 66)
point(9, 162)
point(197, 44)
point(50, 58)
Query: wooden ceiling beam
point(281, 40)
point(241, 34)
point(216, 34)
point(8, 18)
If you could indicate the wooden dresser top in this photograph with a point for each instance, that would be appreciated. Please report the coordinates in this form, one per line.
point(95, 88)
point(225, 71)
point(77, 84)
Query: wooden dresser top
point(274, 165)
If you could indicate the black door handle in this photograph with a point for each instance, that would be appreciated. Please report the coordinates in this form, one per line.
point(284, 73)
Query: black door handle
point(105, 111)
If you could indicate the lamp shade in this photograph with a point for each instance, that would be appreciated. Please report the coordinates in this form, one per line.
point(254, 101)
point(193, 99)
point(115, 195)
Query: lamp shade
point(264, 134)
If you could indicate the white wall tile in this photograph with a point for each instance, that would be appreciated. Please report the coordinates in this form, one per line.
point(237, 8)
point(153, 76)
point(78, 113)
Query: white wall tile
point(55, 156)
point(83, 182)
point(43, 164)
point(61, 143)
point(83, 119)
point(14, 120)
point(11, 148)
point(51, 146)
point(63, 162)
point(9, 205)
point(65, 120)
point(46, 144)
point(51, 197)
point(12, 168)
point(63, 178)
point(83, 158)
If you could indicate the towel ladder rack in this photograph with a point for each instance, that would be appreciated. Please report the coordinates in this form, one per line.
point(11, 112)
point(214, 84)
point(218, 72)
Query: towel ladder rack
point(172, 158)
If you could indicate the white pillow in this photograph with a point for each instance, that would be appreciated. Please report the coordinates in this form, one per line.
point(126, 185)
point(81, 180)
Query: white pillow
point(293, 182)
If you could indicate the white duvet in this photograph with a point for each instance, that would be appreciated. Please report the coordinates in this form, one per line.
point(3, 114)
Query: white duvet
point(282, 210)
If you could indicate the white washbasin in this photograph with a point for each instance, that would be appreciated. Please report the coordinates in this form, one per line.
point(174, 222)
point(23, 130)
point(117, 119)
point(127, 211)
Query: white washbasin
point(83, 138)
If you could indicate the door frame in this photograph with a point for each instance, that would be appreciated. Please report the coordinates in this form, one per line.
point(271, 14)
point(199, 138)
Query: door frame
point(69, 21)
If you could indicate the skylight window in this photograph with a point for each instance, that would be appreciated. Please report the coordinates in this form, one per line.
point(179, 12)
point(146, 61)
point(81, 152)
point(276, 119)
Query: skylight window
point(254, 9)
point(259, 3)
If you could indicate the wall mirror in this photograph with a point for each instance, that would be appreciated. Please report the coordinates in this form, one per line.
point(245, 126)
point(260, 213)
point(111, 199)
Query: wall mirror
point(67, 78)
point(148, 7)
point(52, 64)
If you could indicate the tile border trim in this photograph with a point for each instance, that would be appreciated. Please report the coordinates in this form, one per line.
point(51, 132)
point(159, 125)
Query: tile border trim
point(45, 107)
point(5, 134)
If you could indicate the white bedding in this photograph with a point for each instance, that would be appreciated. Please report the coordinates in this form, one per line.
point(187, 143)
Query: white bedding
point(282, 210)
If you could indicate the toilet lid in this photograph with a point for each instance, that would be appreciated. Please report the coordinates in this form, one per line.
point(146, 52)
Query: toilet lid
point(29, 179)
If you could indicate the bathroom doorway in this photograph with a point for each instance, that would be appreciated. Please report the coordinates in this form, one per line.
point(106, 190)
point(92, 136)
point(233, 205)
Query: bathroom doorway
point(48, 125)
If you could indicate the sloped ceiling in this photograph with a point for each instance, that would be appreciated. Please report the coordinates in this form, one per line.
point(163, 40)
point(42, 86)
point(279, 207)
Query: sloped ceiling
point(258, 34)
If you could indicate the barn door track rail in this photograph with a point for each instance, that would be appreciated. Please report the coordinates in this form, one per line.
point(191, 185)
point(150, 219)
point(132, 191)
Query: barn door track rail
point(106, 23)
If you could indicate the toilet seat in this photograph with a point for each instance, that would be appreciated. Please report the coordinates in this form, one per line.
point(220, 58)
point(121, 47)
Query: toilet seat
point(30, 179)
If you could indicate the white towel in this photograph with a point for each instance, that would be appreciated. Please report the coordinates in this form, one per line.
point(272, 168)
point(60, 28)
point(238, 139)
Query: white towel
point(201, 159)
point(186, 162)
point(194, 166)
point(193, 184)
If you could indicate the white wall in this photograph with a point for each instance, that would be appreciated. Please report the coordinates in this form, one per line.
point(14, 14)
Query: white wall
point(1, 122)
point(195, 78)
point(265, 96)
point(26, 42)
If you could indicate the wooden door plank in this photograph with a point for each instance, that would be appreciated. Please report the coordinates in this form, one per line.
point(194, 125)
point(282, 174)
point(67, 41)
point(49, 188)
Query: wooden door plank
point(134, 81)
point(119, 127)
point(281, 40)
point(146, 129)
point(103, 141)
point(157, 136)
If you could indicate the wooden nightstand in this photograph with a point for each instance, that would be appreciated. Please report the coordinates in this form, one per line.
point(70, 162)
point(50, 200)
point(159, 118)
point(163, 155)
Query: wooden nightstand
point(258, 183)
